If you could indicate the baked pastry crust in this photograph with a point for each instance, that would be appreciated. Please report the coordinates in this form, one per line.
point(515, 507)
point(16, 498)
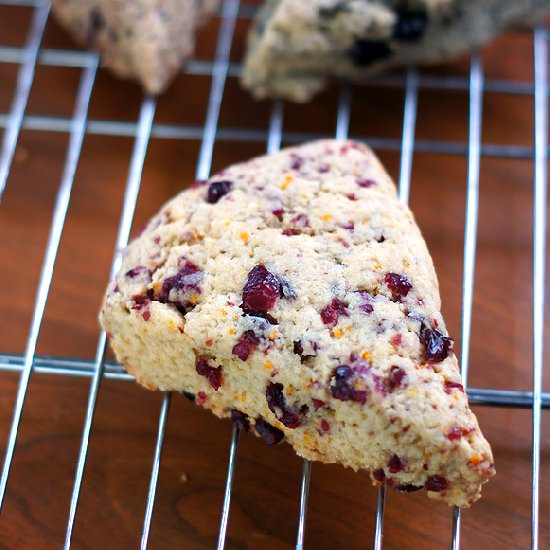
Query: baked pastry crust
point(146, 40)
point(295, 293)
point(294, 46)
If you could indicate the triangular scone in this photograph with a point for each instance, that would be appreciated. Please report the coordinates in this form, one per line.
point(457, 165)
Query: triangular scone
point(295, 293)
point(147, 40)
point(295, 45)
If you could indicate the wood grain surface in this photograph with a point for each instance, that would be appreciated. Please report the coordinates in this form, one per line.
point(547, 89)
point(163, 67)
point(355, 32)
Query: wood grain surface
point(265, 503)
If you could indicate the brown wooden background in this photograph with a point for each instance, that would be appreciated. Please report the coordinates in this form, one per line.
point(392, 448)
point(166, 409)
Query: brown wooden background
point(265, 503)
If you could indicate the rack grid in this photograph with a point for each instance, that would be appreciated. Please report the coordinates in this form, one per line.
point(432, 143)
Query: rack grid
point(220, 69)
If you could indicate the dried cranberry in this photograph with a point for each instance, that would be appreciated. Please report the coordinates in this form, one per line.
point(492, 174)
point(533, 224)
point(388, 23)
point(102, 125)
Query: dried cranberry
point(331, 313)
point(450, 386)
point(342, 386)
point(217, 190)
point(411, 25)
point(395, 464)
point(277, 405)
point(456, 432)
point(398, 284)
point(300, 221)
point(365, 183)
point(298, 348)
point(325, 426)
point(366, 305)
point(296, 162)
point(278, 213)
point(267, 432)
point(247, 343)
point(136, 271)
point(201, 398)
point(318, 403)
point(436, 483)
point(436, 345)
point(212, 374)
point(179, 288)
point(261, 290)
point(395, 378)
point(379, 474)
point(240, 420)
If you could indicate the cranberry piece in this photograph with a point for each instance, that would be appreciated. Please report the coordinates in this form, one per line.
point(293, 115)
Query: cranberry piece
point(408, 488)
point(398, 284)
point(277, 405)
point(395, 378)
point(179, 288)
point(411, 25)
point(290, 232)
point(300, 221)
point(201, 398)
point(331, 313)
point(396, 464)
point(146, 315)
point(212, 374)
point(366, 183)
point(298, 348)
point(247, 343)
point(136, 271)
point(278, 213)
point(366, 306)
point(379, 475)
point(436, 345)
point(318, 403)
point(217, 190)
point(397, 339)
point(450, 386)
point(296, 162)
point(342, 387)
point(240, 420)
point(454, 433)
point(267, 432)
point(436, 483)
point(261, 290)
point(325, 426)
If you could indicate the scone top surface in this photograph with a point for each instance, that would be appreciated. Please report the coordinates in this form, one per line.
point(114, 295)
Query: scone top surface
point(295, 293)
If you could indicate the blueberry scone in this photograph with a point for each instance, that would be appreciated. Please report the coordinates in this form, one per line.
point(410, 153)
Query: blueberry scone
point(146, 40)
point(294, 45)
point(295, 294)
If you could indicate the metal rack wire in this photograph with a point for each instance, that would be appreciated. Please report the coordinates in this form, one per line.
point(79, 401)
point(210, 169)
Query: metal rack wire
point(144, 128)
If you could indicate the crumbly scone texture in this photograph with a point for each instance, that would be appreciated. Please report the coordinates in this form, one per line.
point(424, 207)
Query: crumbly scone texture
point(146, 40)
point(295, 293)
point(294, 45)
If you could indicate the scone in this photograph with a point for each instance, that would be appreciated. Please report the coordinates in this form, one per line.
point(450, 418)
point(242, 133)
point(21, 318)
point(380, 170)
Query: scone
point(294, 45)
point(146, 40)
point(295, 294)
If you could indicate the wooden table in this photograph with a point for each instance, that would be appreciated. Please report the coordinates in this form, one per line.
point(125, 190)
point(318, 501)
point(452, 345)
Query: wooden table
point(265, 502)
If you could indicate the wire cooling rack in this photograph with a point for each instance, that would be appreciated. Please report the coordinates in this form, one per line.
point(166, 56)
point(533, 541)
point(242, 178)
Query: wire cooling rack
point(220, 69)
